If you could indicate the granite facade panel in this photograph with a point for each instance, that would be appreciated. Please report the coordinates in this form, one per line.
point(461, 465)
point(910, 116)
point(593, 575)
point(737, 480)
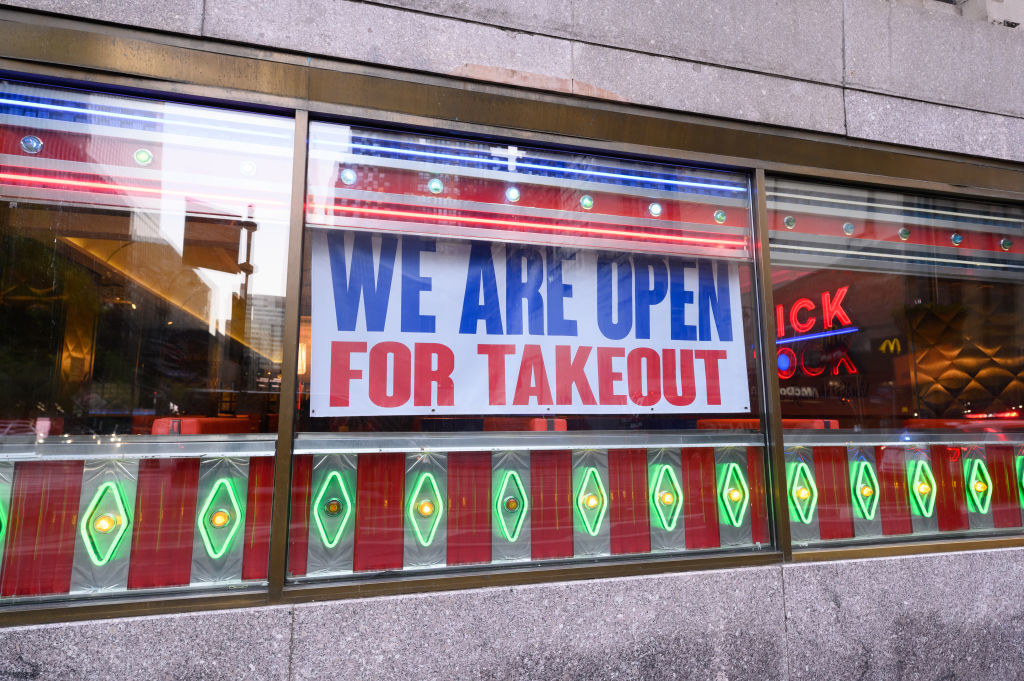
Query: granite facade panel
point(698, 625)
point(179, 16)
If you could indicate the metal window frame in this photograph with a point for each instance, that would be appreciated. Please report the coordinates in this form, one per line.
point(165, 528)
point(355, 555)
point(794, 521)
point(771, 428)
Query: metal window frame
point(59, 50)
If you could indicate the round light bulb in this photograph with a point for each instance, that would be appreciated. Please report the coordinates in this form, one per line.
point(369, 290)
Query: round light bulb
point(591, 501)
point(667, 498)
point(511, 504)
point(586, 202)
point(220, 518)
point(333, 507)
point(348, 176)
point(980, 486)
point(904, 233)
point(654, 209)
point(848, 228)
point(512, 194)
point(425, 509)
point(719, 216)
point(143, 157)
point(31, 144)
point(435, 186)
point(803, 493)
point(105, 523)
point(924, 488)
point(735, 495)
point(957, 238)
point(789, 221)
point(866, 491)
point(1005, 244)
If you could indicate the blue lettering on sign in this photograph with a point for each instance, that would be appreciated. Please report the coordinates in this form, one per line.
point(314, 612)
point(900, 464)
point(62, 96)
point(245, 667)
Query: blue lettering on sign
point(651, 288)
point(558, 291)
point(413, 284)
point(713, 302)
point(679, 298)
point(362, 280)
point(517, 290)
point(480, 280)
point(618, 329)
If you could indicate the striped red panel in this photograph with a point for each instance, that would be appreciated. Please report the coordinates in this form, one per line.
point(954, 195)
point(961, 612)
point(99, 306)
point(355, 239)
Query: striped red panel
point(469, 508)
point(950, 496)
point(165, 517)
point(380, 499)
point(551, 512)
point(1005, 501)
point(700, 502)
point(43, 514)
point(759, 531)
point(893, 502)
point(629, 515)
point(298, 524)
point(258, 508)
point(831, 475)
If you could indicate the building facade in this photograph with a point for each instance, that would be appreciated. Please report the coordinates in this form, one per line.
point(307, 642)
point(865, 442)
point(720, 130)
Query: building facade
point(576, 340)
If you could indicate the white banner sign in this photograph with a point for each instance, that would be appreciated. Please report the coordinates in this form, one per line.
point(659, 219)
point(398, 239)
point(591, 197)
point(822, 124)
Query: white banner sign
point(417, 325)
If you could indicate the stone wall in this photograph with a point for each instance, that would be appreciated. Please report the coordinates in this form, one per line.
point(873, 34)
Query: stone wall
point(946, 616)
point(908, 72)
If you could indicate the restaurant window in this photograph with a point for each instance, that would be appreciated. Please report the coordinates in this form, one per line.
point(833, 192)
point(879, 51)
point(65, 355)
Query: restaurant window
point(510, 355)
point(900, 360)
point(141, 308)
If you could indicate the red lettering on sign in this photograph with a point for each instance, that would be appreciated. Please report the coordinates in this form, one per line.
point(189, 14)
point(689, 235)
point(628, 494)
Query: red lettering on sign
point(607, 378)
point(794, 316)
point(711, 359)
point(427, 375)
point(833, 307)
point(495, 370)
point(533, 379)
point(378, 379)
point(569, 372)
point(638, 374)
point(342, 372)
point(682, 392)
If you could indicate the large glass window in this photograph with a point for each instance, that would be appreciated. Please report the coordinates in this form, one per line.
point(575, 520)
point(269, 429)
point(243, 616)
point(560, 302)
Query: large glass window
point(141, 308)
point(514, 355)
point(901, 361)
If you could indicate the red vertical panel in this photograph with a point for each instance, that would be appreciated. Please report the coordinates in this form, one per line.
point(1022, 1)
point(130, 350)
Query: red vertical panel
point(950, 495)
point(551, 509)
point(165, 517)
point(1005, 505)
point(831, 475)
point(258, 507)
point(298, 524)
point(893, 502)
point(700, 498)
point(380, 499)
point(628, 513)
point(469, 507)
point(759, 532)
point(43, 518)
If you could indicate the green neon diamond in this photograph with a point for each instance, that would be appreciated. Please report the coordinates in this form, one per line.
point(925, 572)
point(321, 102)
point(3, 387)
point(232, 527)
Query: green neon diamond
point(803, 493)
point(510, 506)
point(220, 518)
point(1020, 478)
point(592, 501)
point(666, 496)
point(979, 485)
point(733, 493)
point(332, 509)
point(3, 524)
point(425, 509)
point(922, 488)
point(104, 523)
point(865, 489)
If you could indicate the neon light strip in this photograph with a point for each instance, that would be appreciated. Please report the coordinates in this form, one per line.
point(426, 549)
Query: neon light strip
point(801, 477)
point(435, 518)
point(123, 521)
point(812, 336)
point(732, 480)
point(863, 475)
point(537, 166)
point(57, 182)
point(668, 522)
point(485, 222)
point(318, 510)
point(905, 209)
point(163, 122)
point(235, 521)
point(869, 254)
point(511, 534)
